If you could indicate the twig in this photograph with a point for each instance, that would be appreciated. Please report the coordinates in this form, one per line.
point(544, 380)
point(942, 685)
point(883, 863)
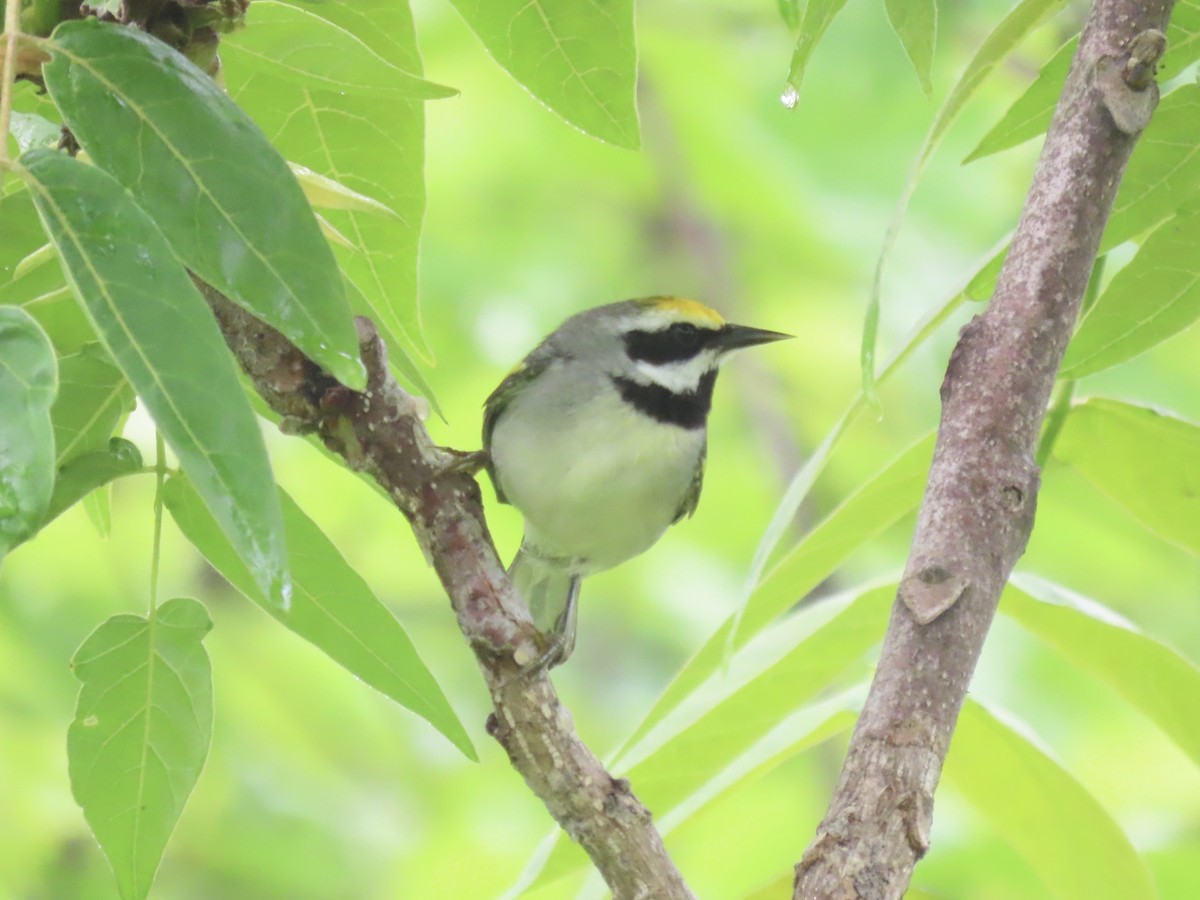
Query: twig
point(379, 432)
point(978, 509)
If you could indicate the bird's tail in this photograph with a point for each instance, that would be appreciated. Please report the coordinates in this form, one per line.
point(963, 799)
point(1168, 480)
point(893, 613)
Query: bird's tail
point(544, 584)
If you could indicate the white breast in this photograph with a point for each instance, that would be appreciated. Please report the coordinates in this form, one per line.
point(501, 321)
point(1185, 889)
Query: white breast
point(597, 481)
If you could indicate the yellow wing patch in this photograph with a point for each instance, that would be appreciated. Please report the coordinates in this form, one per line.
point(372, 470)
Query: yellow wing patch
point(690, 309)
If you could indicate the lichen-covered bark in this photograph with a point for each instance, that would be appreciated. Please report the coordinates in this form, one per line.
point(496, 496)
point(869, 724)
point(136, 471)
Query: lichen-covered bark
point(978, 508)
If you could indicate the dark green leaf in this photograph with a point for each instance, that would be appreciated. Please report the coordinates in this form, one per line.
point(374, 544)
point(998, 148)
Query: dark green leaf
point(28, 382)
point(93, 396)
point(577, 58)
point(1039, 808)
point(915, 23)
point(160, 331)
point(332, 607)
point(311, 51)
point(1153, 298)
point(1155, 678)
point(1146, 461)
point(141, 733)
point(818, 15)
point(84, 473)
point(201, 169)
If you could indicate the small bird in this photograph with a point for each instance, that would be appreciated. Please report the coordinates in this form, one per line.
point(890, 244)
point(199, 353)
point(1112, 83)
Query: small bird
point(598, 437)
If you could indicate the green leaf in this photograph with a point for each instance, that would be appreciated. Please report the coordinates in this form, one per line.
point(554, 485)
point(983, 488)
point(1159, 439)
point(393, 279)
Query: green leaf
point(332, 608)
point(1156, 296)
point(772, 681)
point(1030, 114)
point(32, 130)
point(343, 137)
point(158, 328)
point(325, 193)
point(86, 472)
point(1043, 812)
point(311, 51)
point(1157, 679)
point(1164, 172)
point(818, 15)
point(1146, 461)
point(1011, 30)
point(92, 398)
point(915, 23)
point(578, 58)
point(887, 497)
point(28, 382)
point(201, 169)
point(141, 733)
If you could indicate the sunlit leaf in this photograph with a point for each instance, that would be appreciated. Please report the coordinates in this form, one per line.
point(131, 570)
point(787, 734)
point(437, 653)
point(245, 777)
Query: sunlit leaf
point(818, 15)
point(28, 382)
point(887, 497)
point(325, 193)
point(1043, 812)
point(200, 168)
point(332, 608)
point(93, 395)
point(158, 328)
point(141, 733)
point(1030, 114)
point(1153, 298)
point(577, 58)
point(915, 23)
point(311, 51)
point(779, 678)
point(1009, 32)
point(84, 473)
point(1146, 461)
point(1155, 678)
point(1164, 171)
point(32, 131)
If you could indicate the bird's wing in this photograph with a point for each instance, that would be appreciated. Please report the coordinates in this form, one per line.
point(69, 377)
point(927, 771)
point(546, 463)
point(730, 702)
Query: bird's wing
point(691, 499)
point(526, 371)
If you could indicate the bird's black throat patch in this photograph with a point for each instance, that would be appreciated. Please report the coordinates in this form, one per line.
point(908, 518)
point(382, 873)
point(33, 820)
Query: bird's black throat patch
point(687, 409)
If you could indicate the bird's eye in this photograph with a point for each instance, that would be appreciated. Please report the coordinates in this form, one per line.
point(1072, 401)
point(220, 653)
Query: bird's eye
point(686, 334)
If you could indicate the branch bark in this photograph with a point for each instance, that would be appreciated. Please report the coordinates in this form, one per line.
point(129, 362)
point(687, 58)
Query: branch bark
point(978, 508)
point(379, 432)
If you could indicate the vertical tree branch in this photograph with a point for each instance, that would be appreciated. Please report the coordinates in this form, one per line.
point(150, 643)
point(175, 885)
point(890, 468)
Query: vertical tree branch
point(978, 508)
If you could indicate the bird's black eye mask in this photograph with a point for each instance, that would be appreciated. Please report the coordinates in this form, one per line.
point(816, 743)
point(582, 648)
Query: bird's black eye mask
point(678, 343)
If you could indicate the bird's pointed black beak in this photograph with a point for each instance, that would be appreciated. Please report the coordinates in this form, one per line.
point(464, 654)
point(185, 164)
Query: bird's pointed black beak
point(734, 337)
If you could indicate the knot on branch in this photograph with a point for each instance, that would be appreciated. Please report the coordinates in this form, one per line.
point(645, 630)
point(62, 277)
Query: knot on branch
point(1127, 85)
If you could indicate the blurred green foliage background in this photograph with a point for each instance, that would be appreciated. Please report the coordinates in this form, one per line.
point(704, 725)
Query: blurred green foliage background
point(316, 787)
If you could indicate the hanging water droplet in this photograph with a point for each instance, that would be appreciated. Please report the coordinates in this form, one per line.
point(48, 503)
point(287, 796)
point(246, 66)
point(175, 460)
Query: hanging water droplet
point(790, 97)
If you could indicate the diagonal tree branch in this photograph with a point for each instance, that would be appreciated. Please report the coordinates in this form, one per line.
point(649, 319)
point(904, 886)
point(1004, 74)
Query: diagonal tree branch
point(978, 509)
point(379, 432)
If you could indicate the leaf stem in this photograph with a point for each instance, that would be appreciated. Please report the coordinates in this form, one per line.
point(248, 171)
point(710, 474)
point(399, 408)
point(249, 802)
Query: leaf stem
point(160, 474)
point(12, 31)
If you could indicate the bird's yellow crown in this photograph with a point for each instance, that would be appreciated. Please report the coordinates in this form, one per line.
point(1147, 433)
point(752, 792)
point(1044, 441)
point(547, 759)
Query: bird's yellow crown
point(685, 310)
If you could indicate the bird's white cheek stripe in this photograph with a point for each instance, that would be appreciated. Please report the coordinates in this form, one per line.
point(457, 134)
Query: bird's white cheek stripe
point(679, 377)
